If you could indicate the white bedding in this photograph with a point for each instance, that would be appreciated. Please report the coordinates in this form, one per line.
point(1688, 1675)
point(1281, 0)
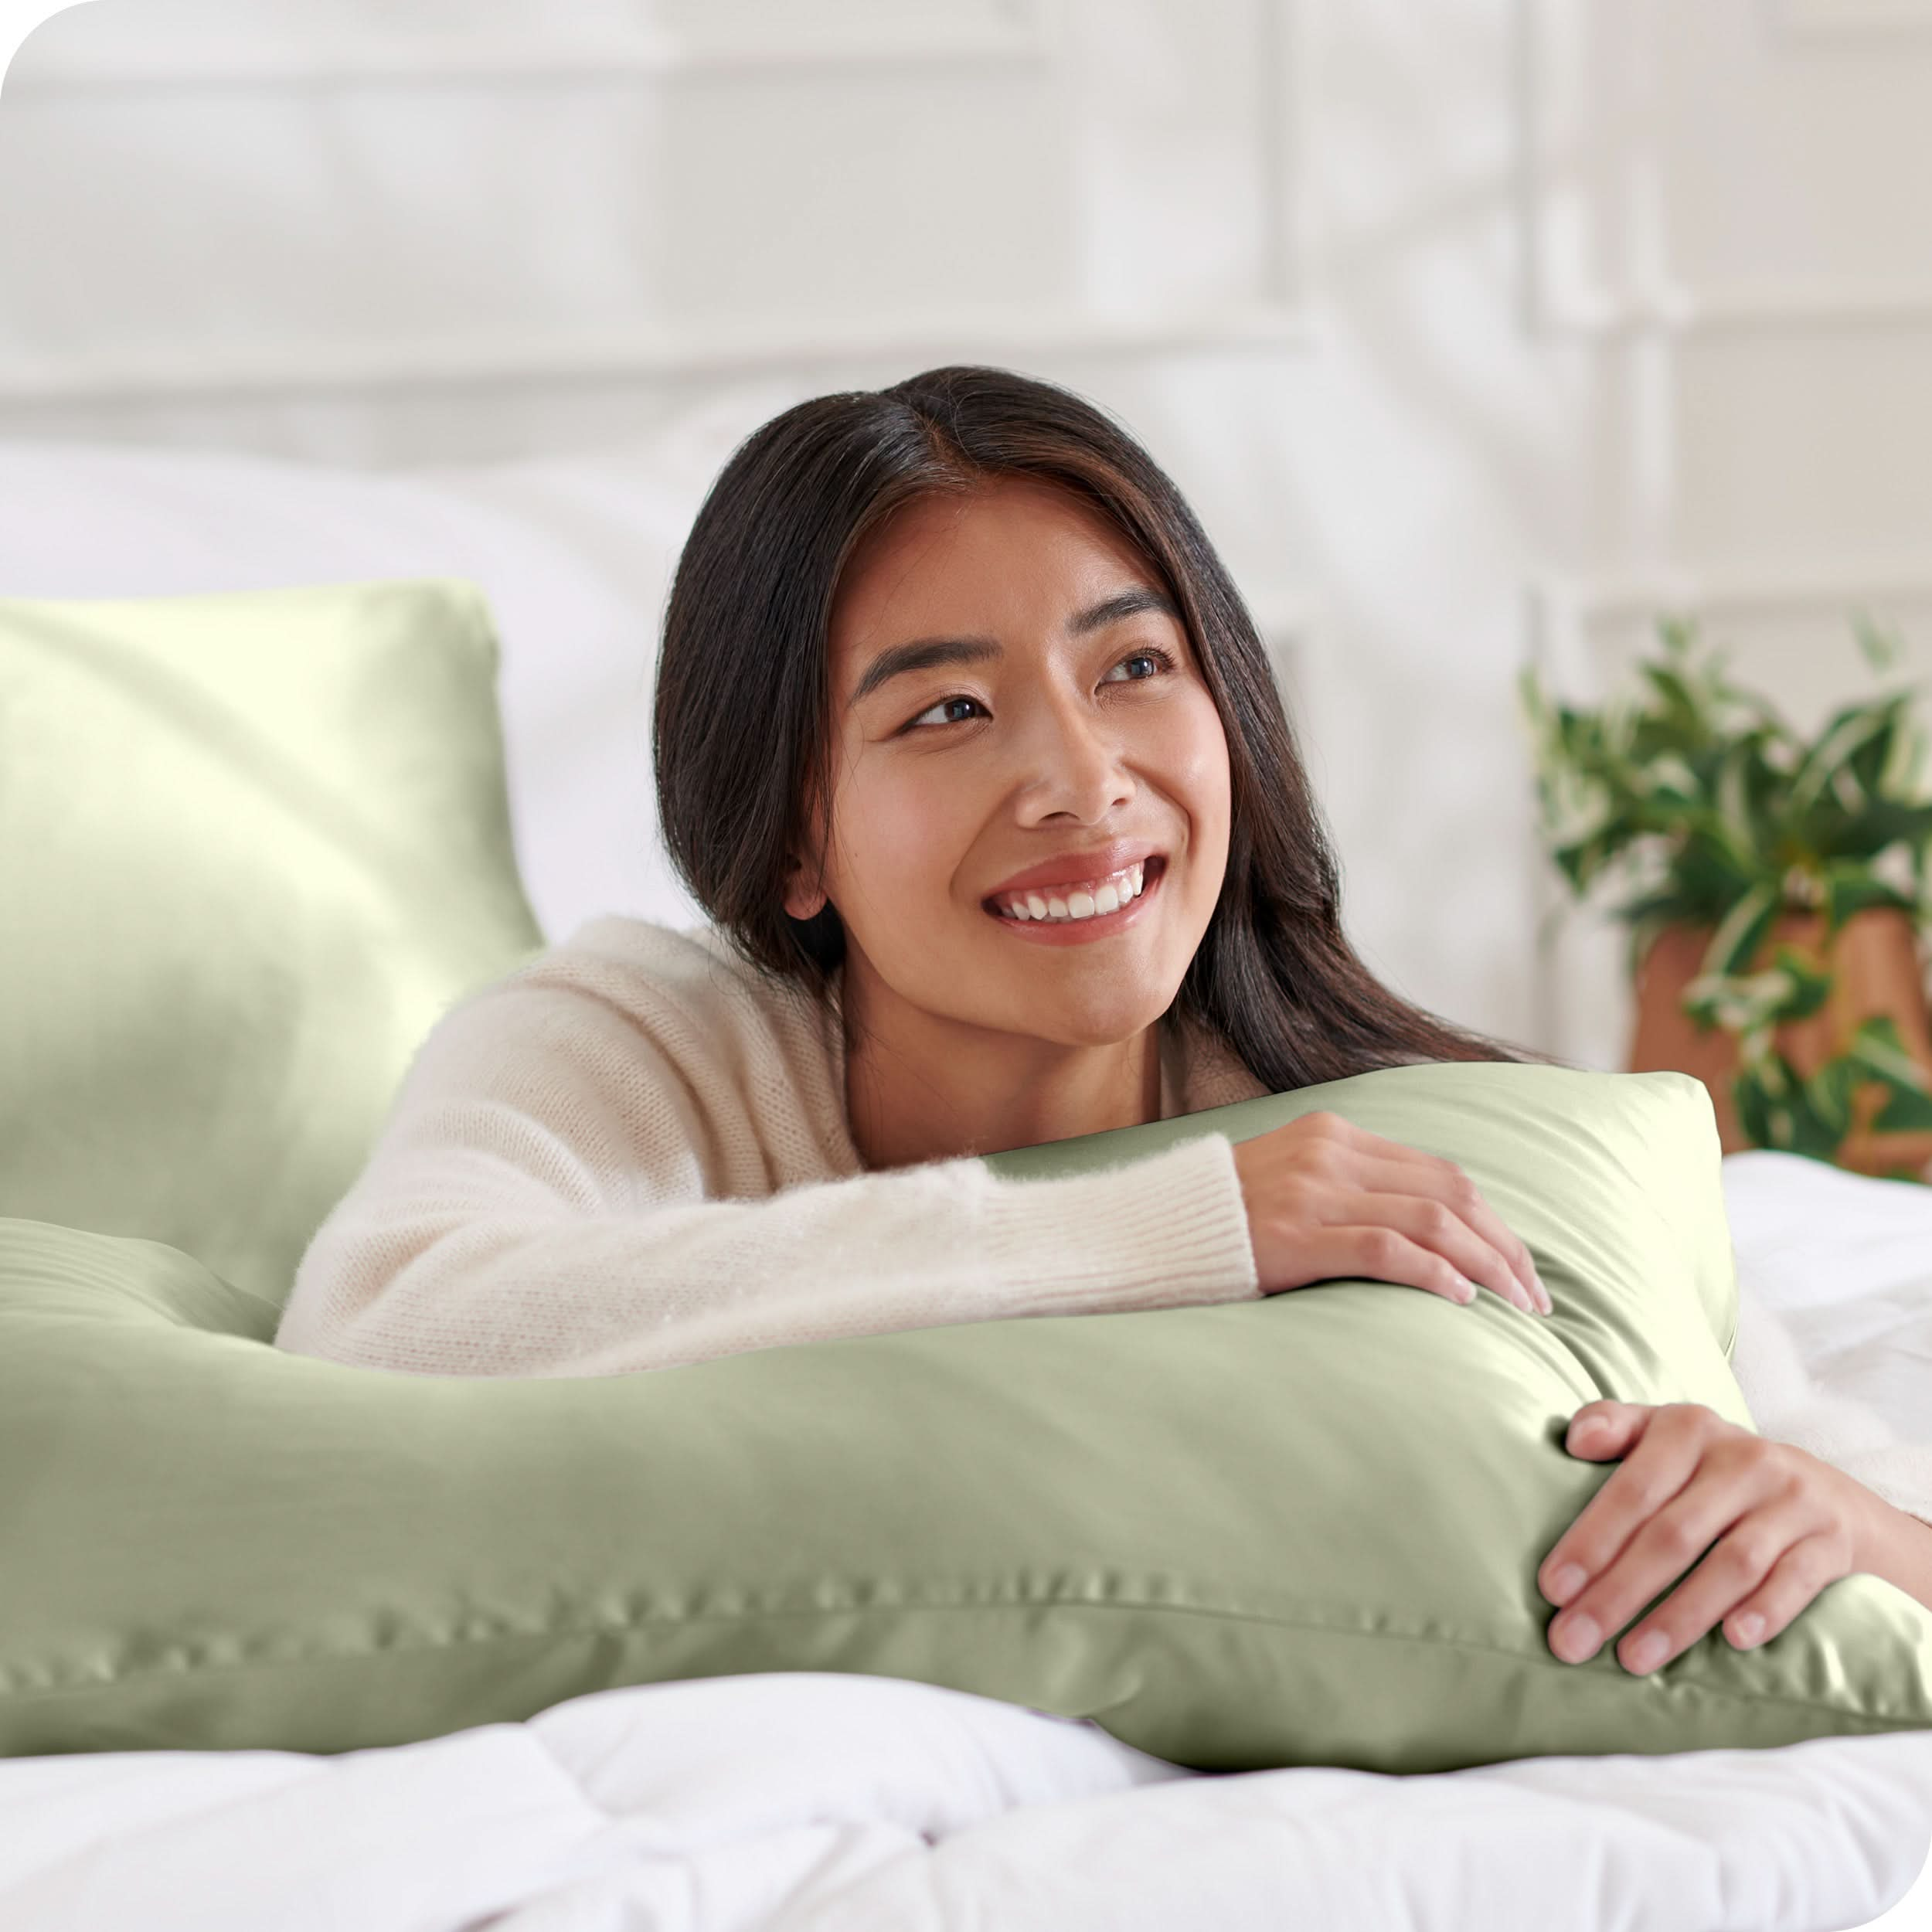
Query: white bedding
point(809, 1802)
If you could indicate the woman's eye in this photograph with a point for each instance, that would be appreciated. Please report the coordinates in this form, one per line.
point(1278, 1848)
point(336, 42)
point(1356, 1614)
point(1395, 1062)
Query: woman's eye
point(914, 724)
point(1151, 654)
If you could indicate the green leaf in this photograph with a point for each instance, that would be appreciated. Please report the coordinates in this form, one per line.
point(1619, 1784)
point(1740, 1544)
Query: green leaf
point(1679, 634)
point(1683, 712)
point(1533, 707)
point(1879, 648)
point(1776, 1110)
point(1827, 1093)
point(1754, 1107)
point(1852, 726)
point(1742, 929)
point(1811, 986)
point(1900, 779)
point(1811, 1133)
point(1668, 904)
point(1877, 1047)
point(1850, 887)
point(1741, 1003)
point(1869, 761)
point(1747, 833)
point(1710, 869)
point(1880, 823)
point(1668, 779)
point(1908, 1111)
point(1877, 1043)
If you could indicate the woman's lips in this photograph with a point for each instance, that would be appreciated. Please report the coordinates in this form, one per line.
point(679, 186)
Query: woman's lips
point(1074, 932)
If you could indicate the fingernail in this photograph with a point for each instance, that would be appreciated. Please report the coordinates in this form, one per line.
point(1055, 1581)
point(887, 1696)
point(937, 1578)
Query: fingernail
point(1565, 1583)
point(1577, 1641)
point(1648, 1650)
point(1543, 1295)
point(1749, 1628)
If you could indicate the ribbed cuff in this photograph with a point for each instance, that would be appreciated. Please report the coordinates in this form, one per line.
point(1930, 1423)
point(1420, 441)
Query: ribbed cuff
point(1168, 1229)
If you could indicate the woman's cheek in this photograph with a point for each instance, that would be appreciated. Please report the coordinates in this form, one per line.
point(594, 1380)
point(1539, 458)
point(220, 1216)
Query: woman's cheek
point(907, 823)
point(1193, 757)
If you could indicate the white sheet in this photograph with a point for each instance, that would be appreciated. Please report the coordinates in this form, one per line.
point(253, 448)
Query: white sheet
point(808, 1802)
point(1834, 1347)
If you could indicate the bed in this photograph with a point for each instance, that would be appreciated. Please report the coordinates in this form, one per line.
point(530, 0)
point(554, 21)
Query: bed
point(798, 1800)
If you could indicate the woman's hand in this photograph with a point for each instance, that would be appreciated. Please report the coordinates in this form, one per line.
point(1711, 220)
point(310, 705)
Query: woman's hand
point(1326, 1199)
point(1785, 1523)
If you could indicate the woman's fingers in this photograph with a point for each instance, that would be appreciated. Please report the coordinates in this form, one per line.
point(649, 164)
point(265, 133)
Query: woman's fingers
point(1397, 1169)
point(1380, 1253)
point(1767, 1521)
point(1324, 1197)
point(1433, 1225)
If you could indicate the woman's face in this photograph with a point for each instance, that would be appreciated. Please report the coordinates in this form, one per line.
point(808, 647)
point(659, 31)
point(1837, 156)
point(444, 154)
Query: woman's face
point(1065, 731)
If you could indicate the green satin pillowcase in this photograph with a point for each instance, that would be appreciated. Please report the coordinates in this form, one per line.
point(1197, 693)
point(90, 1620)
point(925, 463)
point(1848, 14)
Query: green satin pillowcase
point(1302, 1529)
point(256, 844)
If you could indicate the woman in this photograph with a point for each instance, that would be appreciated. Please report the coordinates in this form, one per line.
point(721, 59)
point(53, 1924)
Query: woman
point(972, 889)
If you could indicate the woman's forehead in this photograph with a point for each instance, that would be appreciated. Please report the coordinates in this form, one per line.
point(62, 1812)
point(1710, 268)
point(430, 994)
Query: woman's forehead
point(965, 560)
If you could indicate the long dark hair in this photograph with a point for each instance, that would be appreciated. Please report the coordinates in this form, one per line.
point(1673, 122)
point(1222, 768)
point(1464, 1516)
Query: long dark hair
point(745, 638)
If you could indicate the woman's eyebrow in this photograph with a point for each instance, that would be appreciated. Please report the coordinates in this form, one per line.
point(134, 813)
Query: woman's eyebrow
point(922, 653)
point(1123, 604)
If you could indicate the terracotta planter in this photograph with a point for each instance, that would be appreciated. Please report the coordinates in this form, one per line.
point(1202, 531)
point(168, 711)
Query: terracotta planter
point(1877, 968)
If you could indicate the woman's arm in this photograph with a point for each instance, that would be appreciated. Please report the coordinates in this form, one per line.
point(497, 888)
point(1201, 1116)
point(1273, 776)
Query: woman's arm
point(1897, 1547)
point(1887, 1476)
point(540, 1202)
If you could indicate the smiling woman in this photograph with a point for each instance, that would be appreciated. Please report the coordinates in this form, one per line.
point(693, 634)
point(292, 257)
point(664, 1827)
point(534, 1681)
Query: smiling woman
point(998, 651)
point(968, 744)
point(966, 740)
point(1094, 748)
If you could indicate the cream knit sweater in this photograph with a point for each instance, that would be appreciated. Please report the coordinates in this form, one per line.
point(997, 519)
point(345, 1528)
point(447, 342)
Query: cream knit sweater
point(630, 1154)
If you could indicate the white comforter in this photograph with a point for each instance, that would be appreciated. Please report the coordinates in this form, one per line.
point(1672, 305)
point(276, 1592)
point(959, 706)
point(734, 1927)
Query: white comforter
point(821, 1803)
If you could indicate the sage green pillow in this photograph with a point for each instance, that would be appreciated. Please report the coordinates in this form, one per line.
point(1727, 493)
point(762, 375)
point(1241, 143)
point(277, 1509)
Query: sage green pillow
point(252, 845)
point(1303, 1529)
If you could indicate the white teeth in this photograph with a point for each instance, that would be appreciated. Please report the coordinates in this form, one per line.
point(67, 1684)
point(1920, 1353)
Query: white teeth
point(1086, 902)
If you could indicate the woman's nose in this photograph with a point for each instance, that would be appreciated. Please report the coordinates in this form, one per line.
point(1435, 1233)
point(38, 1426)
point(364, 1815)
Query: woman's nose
point(1073, 756)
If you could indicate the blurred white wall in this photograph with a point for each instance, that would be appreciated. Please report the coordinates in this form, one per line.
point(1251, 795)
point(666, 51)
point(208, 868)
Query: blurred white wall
point(1478, 332)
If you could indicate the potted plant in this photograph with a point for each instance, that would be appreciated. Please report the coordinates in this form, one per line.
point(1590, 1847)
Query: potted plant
point(1781, 897)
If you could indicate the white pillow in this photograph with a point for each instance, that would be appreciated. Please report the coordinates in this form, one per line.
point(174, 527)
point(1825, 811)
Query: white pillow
point(573, 551)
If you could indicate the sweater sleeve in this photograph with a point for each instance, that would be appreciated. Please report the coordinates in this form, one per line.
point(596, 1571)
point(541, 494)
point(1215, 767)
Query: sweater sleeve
point(536, 1205)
